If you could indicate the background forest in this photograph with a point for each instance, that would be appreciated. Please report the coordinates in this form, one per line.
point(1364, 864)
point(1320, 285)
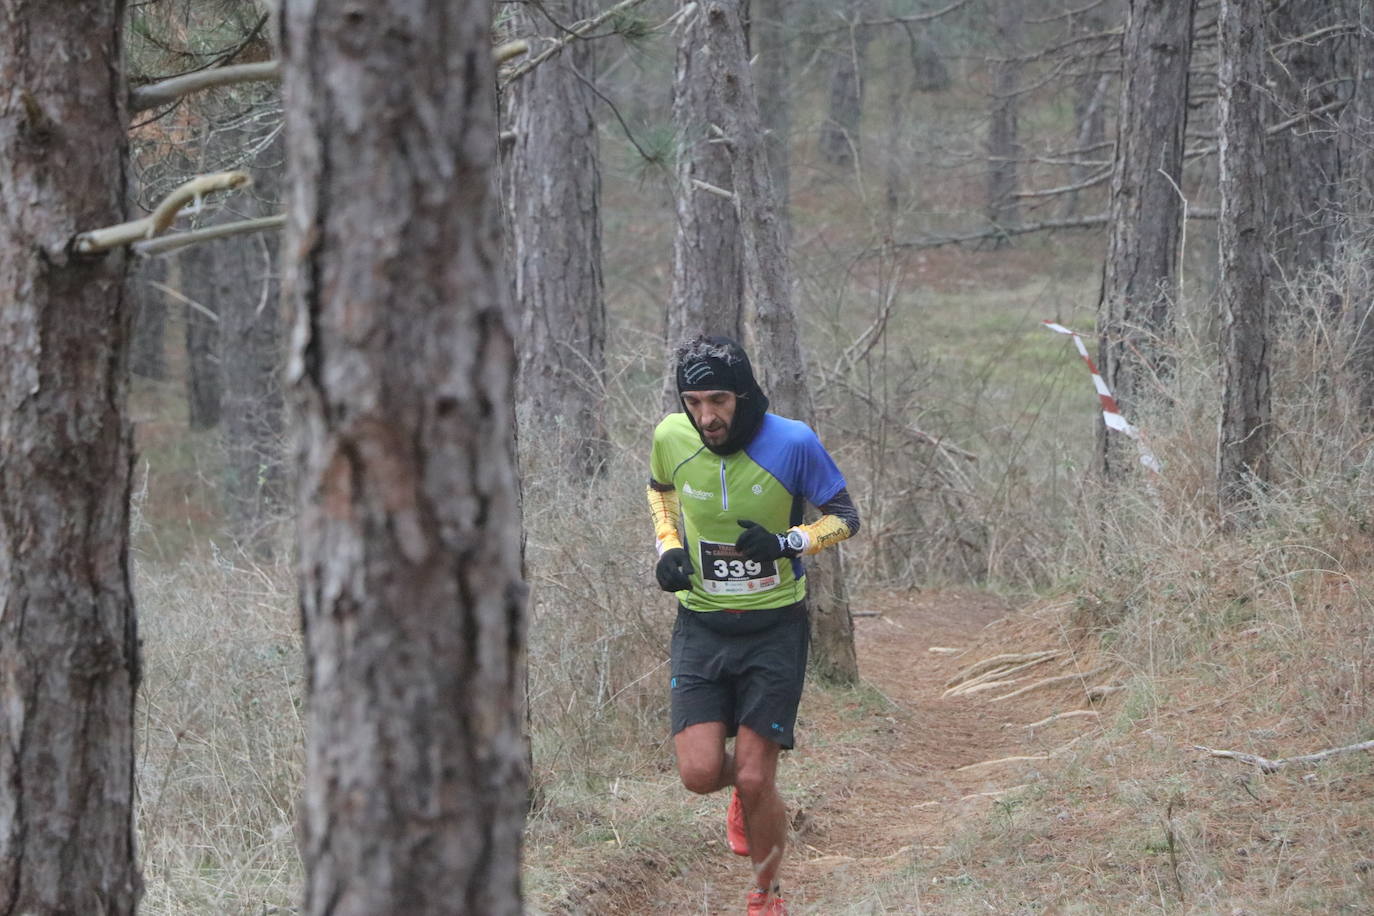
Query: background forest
point(1185, 184)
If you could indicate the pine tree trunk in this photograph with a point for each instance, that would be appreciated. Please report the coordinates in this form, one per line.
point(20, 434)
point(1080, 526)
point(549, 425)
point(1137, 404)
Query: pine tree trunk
point(149, 304)
point(247, 296)
point(68, 646)
point(840, 133)
point(1243, 430)
point(1303, 162)
point(1003, 144)
point(204, 389)
point(1140, 275)
point(555, 235)
point(402, 373)
point(768, 32)
point(708, 280)
point(776, 345)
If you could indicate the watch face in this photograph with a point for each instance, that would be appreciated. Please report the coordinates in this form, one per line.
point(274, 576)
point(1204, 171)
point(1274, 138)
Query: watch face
point(795, 540)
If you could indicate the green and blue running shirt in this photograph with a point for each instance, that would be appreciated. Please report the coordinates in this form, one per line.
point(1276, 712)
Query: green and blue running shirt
point(765, 482)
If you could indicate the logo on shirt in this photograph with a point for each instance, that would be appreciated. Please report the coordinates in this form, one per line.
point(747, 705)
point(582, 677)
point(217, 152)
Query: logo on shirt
point(758, 489)
point(687, 490)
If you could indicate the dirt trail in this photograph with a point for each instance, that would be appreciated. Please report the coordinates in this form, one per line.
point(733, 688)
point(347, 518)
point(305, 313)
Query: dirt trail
point(901, 794)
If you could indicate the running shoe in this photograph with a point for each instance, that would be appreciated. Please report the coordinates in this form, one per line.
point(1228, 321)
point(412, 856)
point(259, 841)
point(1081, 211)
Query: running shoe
point(735, 833)
point(762, 903)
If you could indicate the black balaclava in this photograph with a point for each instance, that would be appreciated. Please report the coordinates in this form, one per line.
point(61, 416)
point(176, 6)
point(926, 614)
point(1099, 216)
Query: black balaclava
point(720, 364)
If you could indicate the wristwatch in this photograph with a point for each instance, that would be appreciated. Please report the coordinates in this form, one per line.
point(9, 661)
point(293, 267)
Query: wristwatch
point(796, 542)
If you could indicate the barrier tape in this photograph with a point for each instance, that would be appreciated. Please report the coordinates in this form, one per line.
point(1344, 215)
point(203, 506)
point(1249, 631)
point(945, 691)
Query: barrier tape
point(1111, 411)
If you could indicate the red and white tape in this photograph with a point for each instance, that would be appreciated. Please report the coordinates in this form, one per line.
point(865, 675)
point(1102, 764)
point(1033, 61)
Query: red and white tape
point(1111, 411)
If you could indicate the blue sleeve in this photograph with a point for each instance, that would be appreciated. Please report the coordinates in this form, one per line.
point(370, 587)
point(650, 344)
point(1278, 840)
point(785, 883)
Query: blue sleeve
point(791, 452)
point(820, 476)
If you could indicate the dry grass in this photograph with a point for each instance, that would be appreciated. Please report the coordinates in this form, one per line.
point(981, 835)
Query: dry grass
point(220, 740)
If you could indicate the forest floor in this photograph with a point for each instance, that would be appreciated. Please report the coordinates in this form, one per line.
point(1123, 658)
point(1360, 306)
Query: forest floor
point(886, 777)
point(905, 800)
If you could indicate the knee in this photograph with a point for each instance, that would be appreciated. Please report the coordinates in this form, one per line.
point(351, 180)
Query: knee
point(753, 783)
point(699, 778)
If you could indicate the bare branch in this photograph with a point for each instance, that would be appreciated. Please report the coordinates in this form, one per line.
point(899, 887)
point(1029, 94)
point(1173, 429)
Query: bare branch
point(1266, 765)
point(168, 91)
point(578, 31)
point(1089, 182)
point(157, 222)
point(177, 240)
point(182, 297)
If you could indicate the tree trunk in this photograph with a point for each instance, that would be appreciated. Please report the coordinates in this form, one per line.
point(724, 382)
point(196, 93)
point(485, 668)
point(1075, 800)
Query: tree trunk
point(1004, 145)
point(776, 346)
point(708, 280)
point(68, 646)
point(768, 33)
point(403, 372)
point(247, 297)
point(1141, 271)
point(1243, 430)
point(840, 133)
point(555, 230)
point(149, 304)
point(204, 389)
point(1303, 161)
point(1357, 189)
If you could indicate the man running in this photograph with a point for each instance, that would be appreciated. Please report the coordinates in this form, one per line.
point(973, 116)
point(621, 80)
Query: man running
point(737, 477)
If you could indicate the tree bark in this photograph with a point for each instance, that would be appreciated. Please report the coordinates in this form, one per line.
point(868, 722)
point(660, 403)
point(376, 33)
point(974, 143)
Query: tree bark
point(1003, 144)
point(1357, 189)
point(1243, 430)
point(149, 304)
point(768, 33)
point(776, 345)
point(840, 133)
point(247, 297)
point(1303, 162)
point(402, 373)
point(708, 277)
point(204, 388)
point(1141, 271)
point(555, 229)
point(68, 642)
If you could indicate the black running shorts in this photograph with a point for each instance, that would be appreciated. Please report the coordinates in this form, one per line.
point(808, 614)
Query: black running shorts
point(742, 668)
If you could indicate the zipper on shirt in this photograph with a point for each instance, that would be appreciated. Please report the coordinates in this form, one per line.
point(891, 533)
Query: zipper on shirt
point(724, 493)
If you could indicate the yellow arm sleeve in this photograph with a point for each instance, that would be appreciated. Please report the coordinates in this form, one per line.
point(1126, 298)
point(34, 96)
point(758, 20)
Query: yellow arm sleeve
point(824, 532)
point(663, 507)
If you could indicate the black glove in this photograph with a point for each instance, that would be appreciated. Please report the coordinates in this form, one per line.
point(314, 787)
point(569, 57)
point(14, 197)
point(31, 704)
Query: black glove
point(674, 569)
point(758, 543)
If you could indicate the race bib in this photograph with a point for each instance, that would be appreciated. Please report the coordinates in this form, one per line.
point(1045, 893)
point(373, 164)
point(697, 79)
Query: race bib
point(726, 571)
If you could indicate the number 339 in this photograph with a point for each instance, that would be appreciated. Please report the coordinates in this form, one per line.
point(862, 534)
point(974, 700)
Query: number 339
point(737, 569)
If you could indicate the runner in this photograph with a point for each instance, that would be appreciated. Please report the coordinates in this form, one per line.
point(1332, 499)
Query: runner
point(737, 477)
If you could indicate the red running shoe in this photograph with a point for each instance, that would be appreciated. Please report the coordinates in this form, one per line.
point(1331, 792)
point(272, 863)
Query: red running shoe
point(762, 903)
point(735, 833)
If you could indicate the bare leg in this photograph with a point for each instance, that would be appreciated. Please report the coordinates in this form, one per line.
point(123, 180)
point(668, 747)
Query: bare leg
point(702, 761)
point(756, 768)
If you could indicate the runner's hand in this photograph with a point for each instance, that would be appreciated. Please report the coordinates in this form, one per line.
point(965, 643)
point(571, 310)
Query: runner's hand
point(674, 570)
point(758, 543)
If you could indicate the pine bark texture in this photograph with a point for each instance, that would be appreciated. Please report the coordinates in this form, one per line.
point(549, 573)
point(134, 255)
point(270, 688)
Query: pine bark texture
point(775, 345)
point(1243, 429)
point(68, 645)
point(707, 295)
point(555, 228)
point(402, 374)
point(1141, 271)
